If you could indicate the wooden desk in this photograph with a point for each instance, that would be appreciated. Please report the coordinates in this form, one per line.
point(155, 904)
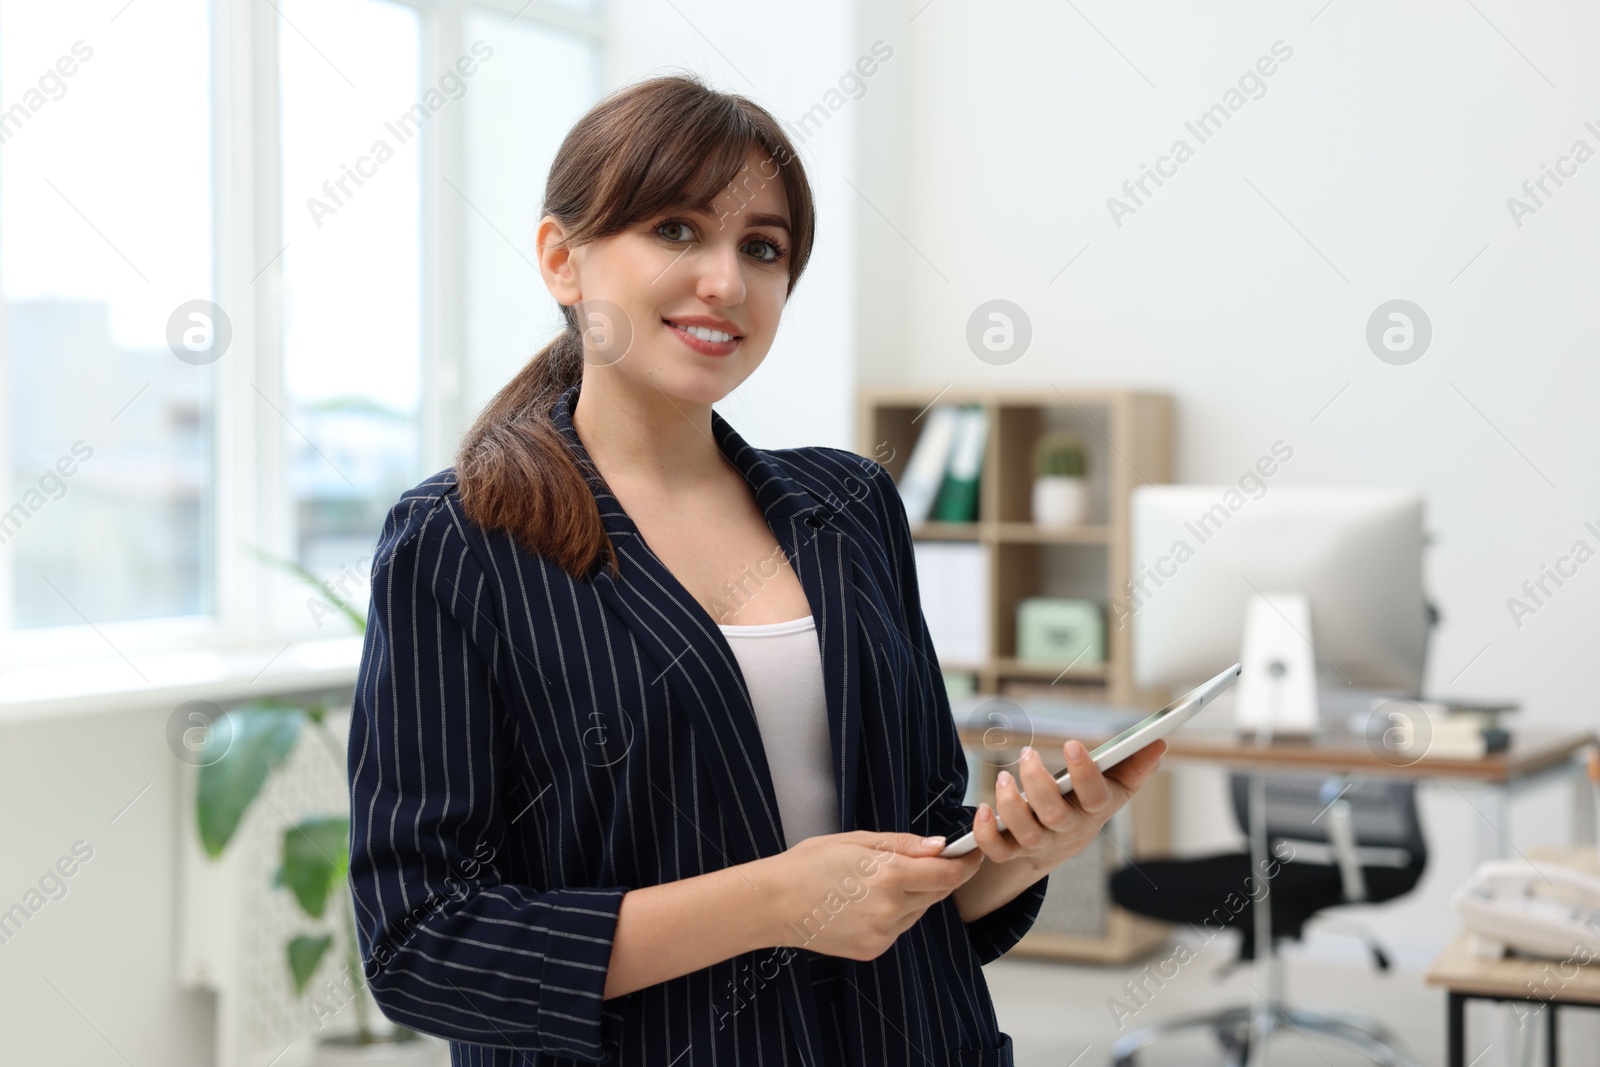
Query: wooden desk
point(1536, 753)
point(1516, 979)
point(1534, 749)
point(1548, 983)
point(1542, 984)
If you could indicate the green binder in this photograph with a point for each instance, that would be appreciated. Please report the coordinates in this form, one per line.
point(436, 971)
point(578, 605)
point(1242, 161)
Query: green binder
point(958, 495)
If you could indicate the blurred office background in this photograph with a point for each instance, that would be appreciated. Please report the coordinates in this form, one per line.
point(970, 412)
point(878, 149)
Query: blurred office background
point(185, 164)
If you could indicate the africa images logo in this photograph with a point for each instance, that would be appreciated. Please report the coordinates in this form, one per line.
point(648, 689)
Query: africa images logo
point(1202, 128)
point(452, 86)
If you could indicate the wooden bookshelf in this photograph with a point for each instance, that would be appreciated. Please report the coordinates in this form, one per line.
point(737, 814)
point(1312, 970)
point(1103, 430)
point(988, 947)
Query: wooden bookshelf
point(1129, 439)
point(1128, 435)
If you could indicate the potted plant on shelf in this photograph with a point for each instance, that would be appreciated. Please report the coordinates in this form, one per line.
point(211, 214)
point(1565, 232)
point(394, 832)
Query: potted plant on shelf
point(240, 752)
point(1060, 488)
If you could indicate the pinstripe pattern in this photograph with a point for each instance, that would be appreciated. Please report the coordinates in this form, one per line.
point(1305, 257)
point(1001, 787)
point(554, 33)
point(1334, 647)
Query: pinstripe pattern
point(526, 747)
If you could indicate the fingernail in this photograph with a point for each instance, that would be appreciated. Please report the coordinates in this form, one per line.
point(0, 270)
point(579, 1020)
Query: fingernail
point(1004, 778)
point(1027, 750)
point(933, 842)
point(1074, 750)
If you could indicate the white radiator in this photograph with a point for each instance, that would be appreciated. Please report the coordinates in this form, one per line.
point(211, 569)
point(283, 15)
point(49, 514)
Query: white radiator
point(234, 924)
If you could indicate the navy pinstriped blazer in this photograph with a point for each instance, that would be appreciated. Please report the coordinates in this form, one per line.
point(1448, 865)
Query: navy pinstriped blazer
point(526, 747)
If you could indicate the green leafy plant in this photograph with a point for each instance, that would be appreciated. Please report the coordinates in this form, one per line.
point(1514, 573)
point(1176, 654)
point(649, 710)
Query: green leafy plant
point(1060, 454)
point(241, 752)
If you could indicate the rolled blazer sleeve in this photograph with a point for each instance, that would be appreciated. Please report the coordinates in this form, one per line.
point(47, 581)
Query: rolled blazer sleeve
point(449, 946)
point(994, 934)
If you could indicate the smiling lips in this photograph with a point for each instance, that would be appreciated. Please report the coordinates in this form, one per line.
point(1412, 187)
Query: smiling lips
point(710, 337)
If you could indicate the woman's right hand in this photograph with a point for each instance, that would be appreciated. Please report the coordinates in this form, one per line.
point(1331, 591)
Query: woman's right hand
point(853, 894)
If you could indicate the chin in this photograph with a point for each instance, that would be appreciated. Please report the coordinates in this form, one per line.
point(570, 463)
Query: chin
point(693, 385)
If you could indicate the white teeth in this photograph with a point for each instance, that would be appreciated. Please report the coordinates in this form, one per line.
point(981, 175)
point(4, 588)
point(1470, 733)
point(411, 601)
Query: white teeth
point(705, 334)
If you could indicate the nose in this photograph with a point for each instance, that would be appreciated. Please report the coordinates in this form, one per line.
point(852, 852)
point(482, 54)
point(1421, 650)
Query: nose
point(721, 280)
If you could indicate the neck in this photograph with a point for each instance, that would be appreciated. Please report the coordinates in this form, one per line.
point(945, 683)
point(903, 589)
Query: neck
point(635, 433)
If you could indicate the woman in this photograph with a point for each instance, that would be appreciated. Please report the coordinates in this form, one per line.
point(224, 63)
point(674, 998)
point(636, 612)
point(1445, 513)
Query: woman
point(650, 753)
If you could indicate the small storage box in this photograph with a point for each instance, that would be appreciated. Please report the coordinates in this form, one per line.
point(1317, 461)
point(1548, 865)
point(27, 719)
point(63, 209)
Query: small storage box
point(1059, 631)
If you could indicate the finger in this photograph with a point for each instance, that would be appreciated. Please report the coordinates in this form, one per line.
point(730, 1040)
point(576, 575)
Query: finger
point(1017, 811)
point(904, 844)
point(997, 845)
point(955, 871)
point(968, 863)
point(1089, 785)
point(1134, 771)
point(937, 874)
point(1123, 781)
point(1044, 795)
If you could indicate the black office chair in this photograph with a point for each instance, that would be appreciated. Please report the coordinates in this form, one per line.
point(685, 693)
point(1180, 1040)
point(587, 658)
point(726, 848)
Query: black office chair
point(1330, 841)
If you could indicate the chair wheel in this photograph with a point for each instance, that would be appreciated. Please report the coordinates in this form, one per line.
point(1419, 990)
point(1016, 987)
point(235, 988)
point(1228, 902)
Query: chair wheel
point(1235, 1046)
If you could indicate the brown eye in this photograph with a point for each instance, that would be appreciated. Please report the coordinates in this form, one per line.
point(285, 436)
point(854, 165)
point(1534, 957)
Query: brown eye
point(764, 250)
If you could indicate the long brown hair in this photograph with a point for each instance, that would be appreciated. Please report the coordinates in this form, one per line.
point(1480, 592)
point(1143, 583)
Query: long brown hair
point(648, 148)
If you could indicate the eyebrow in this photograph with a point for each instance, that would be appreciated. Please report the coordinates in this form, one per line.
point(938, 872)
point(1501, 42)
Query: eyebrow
point(772, 220)
point(762, 219)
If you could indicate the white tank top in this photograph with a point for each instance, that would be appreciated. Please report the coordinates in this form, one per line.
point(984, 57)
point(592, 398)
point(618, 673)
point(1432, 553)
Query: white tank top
point(782, 667)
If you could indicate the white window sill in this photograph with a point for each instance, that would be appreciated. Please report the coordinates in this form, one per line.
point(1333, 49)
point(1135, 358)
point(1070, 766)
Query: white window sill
point(219, 676)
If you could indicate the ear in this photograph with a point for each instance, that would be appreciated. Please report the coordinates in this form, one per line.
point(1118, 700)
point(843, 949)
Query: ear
point(556, 265)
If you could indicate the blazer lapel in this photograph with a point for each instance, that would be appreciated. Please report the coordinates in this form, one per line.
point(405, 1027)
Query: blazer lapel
point(692, 656)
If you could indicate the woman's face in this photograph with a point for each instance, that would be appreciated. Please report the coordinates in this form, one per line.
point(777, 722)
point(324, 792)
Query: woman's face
point(693, 295)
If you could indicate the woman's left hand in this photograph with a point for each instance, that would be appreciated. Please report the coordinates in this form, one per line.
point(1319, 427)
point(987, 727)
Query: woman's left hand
point(1045, 828)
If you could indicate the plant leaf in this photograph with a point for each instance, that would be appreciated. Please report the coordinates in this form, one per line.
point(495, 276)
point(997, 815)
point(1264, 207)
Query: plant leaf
point(304, 955)
point(258, 739)
point(316, 861)
point(311, 579)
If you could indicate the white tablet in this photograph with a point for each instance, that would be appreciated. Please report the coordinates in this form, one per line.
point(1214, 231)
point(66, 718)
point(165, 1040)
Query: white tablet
point(1124, 744)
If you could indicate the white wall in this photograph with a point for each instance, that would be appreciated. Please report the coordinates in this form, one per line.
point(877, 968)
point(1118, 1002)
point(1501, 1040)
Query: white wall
point(91, 978)
point(1376, 166)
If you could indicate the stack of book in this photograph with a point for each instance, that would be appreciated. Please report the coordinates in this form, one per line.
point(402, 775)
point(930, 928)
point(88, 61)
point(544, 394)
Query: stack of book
point(940, 483)
point(953, 583)
point(1450, 729)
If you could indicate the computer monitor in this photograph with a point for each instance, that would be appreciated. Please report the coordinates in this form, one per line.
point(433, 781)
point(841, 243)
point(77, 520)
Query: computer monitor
point(1202, 554)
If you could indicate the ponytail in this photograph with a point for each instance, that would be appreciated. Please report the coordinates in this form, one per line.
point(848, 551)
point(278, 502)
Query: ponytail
point(516, 472)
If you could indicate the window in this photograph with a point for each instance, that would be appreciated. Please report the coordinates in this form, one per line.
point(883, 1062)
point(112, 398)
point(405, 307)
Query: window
point(507, 153)
point(351, 121)
point(105, 229)
point(244, 305)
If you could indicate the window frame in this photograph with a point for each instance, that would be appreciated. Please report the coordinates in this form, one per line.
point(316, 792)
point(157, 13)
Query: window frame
point(250, 493)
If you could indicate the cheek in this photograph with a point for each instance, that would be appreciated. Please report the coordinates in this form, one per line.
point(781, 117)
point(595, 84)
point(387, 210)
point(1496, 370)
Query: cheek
point(631, 271)
point(765, 297)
